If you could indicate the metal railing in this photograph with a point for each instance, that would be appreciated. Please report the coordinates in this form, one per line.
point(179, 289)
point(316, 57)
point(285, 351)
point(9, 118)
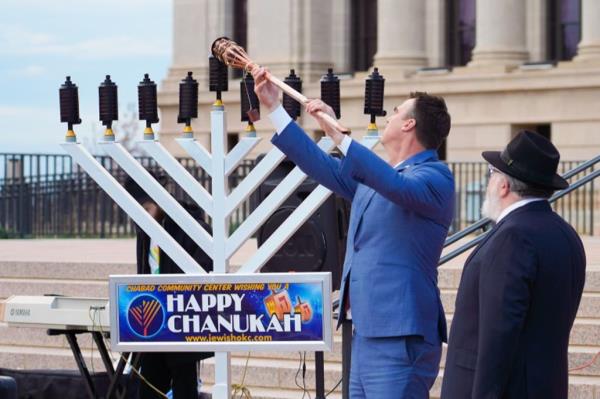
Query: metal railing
point(46, 195)
point(471, 181)
point(589, 174)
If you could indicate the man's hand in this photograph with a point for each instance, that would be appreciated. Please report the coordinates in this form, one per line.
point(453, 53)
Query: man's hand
point(313, 107)
point(267, 92)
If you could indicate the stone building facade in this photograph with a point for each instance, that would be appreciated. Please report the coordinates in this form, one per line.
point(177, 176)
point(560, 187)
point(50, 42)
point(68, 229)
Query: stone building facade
point(502, 65)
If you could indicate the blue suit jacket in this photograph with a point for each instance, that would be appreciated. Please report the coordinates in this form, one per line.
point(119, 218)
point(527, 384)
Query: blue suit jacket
point(398, 223)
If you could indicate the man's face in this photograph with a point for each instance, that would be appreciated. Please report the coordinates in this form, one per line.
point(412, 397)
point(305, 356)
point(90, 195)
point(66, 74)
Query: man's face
point(492, 205)
point(401, 121)
point(153, 209)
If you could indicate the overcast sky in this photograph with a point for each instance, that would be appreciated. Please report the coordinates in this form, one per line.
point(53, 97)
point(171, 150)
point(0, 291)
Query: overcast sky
point(42, 41)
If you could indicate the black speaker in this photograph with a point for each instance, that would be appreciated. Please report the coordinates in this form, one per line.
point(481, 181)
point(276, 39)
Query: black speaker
point(320, 243)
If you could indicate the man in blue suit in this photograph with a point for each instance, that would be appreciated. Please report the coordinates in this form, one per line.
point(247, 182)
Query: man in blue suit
point(401, 212)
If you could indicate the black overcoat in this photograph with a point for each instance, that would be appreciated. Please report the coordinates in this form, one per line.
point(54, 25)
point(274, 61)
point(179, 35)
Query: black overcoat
point(516, 303)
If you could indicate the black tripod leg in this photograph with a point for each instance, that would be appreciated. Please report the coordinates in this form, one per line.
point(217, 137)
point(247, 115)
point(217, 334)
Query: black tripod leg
point(135, 362)
point(89, 384)
point(103, 353)
point(114, 379)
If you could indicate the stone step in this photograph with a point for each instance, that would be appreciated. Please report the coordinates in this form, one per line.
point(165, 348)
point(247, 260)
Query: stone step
point(37, 338)
point(16, 275)
point(585, 332)
point(586, 358)
point(32, 358)
point(274, 373)
point(64, 271)
point(335, 356)
point(449, 277)
point(266, 378)
point(578, 356)
point(589, 306)
point(269, 393)
point(32, 286)
point(579, 387)
point(584, 387)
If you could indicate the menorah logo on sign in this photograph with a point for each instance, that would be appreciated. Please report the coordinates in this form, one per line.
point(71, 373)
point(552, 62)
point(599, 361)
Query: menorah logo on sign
point(145, 316)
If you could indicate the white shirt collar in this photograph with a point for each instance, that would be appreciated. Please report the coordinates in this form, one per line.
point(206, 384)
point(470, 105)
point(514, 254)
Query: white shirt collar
point(516, 205)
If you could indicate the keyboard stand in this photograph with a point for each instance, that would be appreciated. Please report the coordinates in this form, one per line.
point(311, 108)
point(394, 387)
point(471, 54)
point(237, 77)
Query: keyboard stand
point(113, 375)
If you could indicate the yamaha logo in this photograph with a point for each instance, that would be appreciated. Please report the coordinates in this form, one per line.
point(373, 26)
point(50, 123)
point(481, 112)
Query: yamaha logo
point(145, 316)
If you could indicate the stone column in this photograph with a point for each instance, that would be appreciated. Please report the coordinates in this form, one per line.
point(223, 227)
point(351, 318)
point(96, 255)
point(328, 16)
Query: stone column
point(341, 35)
point(401, 36)
point(284, 34)
point(196, 24)
point(589, 47)
point(501, 33)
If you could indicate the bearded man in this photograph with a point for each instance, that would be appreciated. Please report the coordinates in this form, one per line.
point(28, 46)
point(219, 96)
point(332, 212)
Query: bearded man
point(520, 288)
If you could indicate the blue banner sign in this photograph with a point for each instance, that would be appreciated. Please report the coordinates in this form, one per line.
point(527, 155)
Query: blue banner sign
point(221, 312)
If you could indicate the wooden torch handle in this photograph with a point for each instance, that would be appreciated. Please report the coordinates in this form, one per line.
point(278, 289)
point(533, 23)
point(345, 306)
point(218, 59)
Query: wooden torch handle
point(303, 100)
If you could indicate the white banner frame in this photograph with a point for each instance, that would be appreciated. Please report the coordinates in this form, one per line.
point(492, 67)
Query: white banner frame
point(323, 278)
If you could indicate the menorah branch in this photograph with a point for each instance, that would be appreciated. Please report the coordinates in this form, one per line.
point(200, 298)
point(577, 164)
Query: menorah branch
point(180, 174)
point(268, 206)
point(142, 218)
point(162, 197)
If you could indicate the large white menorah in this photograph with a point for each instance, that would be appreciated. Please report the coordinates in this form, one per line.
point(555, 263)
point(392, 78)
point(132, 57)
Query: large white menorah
point(218, 205)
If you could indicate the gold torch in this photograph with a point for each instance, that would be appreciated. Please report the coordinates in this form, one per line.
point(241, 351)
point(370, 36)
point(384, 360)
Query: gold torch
point(233, 55)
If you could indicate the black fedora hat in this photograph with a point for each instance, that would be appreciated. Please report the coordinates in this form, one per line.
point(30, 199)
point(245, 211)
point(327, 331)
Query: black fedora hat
point(531, 158)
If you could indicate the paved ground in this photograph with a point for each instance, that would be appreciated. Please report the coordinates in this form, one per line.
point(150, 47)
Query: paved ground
point(86, 250)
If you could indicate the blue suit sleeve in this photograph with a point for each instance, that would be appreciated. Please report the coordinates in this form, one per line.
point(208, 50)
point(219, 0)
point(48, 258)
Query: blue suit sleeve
point(504, 299)
point(424, 189)
point(322, 167)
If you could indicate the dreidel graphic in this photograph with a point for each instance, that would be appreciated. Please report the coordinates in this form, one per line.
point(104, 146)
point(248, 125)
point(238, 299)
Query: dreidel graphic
point(278, 303)
point(303, 309)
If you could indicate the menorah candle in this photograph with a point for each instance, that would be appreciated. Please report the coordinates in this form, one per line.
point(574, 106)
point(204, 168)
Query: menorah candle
point(108, 106)
point(188, 104)
point(217, 79)
point(147, 105)
point(330, 91)
point(374, 85)
point(69, 107)
point(289, 104)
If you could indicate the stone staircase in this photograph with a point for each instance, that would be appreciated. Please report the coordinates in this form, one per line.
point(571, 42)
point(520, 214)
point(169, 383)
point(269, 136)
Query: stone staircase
point(81, 267)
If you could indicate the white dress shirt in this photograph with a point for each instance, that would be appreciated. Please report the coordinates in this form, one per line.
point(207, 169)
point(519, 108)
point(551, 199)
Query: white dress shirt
point(517, 205)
